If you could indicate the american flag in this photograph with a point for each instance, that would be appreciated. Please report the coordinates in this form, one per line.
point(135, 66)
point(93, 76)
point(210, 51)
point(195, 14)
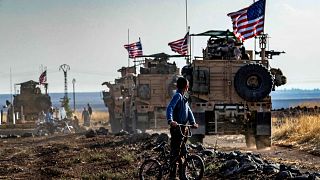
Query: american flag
point(43, 77)
point(249, 22)
point(134, 49)
point(180, 46)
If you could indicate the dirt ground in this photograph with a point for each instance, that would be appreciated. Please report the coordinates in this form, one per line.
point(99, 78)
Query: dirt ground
point(76, 156)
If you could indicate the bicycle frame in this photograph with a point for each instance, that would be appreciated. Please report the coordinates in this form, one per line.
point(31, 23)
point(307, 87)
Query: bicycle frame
point(161, 165)
point(164, 158)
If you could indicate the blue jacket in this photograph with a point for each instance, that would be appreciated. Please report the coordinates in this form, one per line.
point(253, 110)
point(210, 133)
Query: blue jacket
point(178, 110)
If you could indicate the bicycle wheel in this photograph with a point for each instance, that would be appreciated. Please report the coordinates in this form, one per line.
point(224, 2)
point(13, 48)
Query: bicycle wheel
point(193, 168)
point(150, 169)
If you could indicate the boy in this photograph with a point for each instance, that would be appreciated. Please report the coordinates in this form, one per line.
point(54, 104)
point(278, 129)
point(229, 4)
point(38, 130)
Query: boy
point(178, 112)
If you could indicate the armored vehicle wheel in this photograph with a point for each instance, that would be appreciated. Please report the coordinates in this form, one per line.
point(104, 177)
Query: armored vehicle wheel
point(253, 82)
point(115, 125)
point(263, 141)
point(250, 139)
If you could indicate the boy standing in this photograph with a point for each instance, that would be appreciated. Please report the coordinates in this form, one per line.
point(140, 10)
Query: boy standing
point(178, 112)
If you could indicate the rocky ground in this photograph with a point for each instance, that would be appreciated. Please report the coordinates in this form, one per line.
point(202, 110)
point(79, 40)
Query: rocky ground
point(100, 155)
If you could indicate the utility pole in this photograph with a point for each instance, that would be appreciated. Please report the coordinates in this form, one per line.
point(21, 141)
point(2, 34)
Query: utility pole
point(65, 68)
point(74, 95)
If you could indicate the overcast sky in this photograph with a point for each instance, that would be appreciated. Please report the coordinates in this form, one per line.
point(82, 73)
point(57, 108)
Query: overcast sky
point(89, 36)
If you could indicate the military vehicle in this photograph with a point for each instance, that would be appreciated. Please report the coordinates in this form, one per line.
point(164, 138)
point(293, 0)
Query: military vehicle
point(118, 98)
point(30, 101)
point(230, 91)
point(138, 101)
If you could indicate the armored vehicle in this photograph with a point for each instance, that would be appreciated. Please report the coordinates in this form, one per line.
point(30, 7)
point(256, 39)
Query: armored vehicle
point(30, 101)
point(118, 99)
point(230, 91)
point(138, 101)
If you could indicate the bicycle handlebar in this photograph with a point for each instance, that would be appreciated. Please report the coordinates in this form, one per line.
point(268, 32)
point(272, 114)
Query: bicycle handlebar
point(189, 130)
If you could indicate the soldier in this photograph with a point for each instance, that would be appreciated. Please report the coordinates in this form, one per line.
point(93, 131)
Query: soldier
point(9, 112)
point(76, 123)
point(90, 110)
point(86, 117)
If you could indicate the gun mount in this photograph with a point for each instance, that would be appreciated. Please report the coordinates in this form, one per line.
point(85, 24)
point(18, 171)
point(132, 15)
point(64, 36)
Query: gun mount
point(270, 54)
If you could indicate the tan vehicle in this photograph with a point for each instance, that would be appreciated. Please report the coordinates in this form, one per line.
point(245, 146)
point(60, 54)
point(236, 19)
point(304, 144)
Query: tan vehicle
point(229, 90)
point(30, 101)
point(118, 98)
point(140, 101)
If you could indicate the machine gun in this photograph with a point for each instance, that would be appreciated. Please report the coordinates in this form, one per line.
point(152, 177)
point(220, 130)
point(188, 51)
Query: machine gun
point(270, 54)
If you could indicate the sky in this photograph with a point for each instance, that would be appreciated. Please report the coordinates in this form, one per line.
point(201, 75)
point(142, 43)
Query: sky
point(89, 35)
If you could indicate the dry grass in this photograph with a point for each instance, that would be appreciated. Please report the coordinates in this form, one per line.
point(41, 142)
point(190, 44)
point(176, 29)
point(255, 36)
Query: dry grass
point(310, 104)
point(96, 116)
point(301, 130)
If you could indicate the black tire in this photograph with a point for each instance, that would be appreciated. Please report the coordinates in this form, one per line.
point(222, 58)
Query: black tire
point(193, 168)
point(250, 139)
point(263, 141)
point(150, 169)
point(115, 125)
point(253, 82)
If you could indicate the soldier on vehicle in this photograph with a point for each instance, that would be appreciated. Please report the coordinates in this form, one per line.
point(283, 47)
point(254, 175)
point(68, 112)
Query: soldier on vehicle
point(178, 112)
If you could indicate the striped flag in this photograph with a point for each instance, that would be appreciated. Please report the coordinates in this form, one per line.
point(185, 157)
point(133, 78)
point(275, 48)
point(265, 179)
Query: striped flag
point(249, 22)
point(43, 77)
point(180, 46)
point(134, 49)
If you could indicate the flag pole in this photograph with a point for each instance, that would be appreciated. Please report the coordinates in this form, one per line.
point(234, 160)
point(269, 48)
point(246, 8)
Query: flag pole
point(187, 27)
point(46, 83)
point(189, 44)
point(128, 50)
point(255, 42)
point(264, 14)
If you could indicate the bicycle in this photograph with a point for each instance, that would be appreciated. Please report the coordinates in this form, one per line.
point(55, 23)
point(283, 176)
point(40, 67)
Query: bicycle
point(158, 167)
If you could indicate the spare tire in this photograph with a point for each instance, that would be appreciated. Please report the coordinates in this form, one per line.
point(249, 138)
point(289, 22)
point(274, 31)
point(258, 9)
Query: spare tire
point(144, 91)
point(253, 82)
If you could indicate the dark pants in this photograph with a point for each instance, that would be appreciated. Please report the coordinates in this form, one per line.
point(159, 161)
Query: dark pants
point(175, 144)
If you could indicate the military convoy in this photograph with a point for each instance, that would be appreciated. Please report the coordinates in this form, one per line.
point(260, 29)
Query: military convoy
point(229, 91)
